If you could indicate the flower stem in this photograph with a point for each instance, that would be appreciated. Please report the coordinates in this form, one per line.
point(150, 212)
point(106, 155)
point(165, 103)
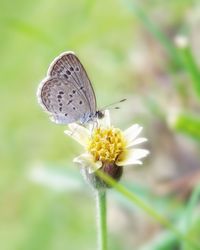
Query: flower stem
point(101, 219)
point(148, 209)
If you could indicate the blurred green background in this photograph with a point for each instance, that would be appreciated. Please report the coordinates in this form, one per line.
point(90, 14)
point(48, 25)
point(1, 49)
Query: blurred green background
point(128, 50)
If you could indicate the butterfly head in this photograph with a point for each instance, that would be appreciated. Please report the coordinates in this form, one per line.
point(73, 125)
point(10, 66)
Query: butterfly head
point(90, 117)
point(99, 114)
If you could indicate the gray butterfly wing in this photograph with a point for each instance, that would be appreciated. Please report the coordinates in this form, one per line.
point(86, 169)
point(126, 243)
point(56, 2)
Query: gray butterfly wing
point(68, 66)
point(62, 100)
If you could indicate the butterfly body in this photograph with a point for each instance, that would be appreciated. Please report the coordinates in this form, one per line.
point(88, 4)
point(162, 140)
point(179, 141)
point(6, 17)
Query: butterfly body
point(67, 93)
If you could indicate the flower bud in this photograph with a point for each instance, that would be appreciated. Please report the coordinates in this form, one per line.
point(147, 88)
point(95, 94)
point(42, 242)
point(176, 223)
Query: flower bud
point(96, 181)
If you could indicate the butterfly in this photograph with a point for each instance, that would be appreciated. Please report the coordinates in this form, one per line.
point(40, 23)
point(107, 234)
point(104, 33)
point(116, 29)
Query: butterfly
point(66, 93)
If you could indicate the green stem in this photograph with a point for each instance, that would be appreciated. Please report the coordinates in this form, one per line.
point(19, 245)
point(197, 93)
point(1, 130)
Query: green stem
point(192, 68)
point(149, 210)
point(191, 206)
point(154, 29)
point(101, 219)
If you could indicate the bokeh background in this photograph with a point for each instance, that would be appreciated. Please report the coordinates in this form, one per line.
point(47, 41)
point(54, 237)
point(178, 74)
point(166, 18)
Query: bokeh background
point(145, 51)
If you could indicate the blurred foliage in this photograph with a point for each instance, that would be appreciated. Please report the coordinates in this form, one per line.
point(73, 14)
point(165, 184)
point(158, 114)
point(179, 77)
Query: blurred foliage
point(129, 52)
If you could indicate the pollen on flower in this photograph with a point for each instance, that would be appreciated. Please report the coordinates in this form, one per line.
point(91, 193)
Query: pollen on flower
point(106, 145)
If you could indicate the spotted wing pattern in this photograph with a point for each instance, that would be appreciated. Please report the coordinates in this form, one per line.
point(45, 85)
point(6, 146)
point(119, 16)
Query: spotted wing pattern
point(66, 93)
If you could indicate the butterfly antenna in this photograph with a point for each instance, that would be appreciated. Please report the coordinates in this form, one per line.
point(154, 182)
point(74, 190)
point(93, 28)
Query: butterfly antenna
point(112, 104)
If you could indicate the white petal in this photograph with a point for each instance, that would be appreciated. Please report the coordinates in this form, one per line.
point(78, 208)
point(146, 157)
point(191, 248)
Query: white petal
point(75, 126)
point(131, 133)
point(78, 133)
point(132, 156)
point(86, 160)
point(136, 142)
point(105, 121)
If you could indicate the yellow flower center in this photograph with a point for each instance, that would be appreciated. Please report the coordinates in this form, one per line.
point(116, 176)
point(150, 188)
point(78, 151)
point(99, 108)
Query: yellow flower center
point(106, 145)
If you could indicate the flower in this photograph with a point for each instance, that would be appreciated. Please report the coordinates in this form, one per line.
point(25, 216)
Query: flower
point(106, 146)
